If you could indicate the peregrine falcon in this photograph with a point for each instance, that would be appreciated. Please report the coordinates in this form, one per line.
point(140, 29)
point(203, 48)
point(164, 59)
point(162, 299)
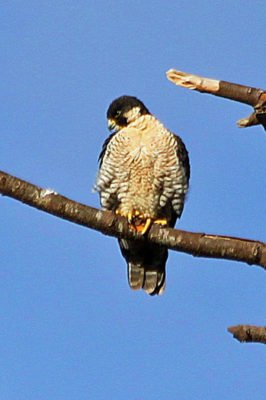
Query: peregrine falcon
point(143, 175)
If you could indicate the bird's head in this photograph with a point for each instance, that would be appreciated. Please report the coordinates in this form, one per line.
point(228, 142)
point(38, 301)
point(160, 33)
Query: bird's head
point(124, 110)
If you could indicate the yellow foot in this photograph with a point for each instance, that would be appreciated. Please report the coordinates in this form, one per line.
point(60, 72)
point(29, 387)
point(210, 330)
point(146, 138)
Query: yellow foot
point(137, 222)
point(131, 217)
point(143, 228)
point(162, 221)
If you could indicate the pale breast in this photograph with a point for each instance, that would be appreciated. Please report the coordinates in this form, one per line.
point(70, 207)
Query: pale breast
point(140, 168)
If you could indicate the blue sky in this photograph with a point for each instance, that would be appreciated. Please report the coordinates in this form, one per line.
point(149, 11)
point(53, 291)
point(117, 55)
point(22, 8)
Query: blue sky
point(70, 327)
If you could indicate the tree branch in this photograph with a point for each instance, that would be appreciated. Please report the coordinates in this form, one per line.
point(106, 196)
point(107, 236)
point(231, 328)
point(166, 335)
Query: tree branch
point(244, 94)
point(248, 333)
point(197, 244)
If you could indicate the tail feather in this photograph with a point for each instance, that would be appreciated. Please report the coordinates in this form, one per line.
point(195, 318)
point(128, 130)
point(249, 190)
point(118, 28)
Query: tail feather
point(150, 284)
point(153, 282)
point(136, 276)
point(146, 265)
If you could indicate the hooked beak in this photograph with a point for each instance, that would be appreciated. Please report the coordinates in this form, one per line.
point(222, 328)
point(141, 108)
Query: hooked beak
point(111, 124)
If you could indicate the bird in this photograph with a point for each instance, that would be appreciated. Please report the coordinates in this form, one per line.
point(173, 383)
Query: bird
point(144, 176)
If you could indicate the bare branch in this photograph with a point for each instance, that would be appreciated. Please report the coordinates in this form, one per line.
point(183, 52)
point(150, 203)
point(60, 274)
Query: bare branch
point(197, 244)
point(248, 333)
point(244, 94)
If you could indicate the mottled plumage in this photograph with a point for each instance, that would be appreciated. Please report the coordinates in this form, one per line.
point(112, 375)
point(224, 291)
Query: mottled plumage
point(143, 175)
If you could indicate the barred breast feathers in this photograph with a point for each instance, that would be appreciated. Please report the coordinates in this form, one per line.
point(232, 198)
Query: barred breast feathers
point(143, 152)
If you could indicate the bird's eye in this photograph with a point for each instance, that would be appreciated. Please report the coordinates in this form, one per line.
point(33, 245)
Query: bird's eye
point(118, 113)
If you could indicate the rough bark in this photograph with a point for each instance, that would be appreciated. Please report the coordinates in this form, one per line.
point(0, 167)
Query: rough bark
point(197, 244)
point(108, 223)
